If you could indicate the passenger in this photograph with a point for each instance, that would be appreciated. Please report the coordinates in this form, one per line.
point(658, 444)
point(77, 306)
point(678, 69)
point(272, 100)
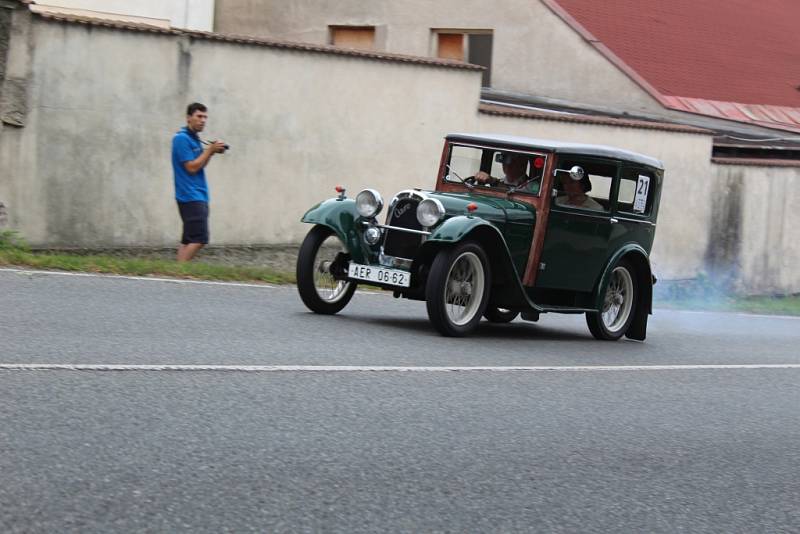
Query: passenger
point(575, 193)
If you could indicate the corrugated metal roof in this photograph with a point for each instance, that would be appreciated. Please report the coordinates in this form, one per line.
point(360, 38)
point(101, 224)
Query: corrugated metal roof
point(786, 118)
point(524, 112)
point(756, 162)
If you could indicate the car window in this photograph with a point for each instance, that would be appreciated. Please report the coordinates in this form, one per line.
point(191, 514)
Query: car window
point(636, 191)
point(592, 192)
point(504, 169)
point(464, 162)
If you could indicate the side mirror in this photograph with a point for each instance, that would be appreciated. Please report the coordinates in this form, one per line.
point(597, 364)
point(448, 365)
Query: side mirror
point(576, 173)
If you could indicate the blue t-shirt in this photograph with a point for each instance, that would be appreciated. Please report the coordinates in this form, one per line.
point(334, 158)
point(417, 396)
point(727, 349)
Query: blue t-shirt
point(186, 146)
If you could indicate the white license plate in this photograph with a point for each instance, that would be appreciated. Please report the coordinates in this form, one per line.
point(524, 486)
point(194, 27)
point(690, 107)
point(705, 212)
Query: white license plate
point(381, 275)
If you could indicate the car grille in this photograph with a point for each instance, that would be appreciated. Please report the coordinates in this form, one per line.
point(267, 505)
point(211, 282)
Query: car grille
point(404, 215)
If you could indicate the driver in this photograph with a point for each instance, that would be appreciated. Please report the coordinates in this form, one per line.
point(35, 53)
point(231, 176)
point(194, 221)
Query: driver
point(514, 170)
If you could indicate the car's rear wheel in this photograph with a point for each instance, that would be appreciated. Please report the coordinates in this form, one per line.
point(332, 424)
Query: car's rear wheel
point(499, 315)
point(619, 302)
point(320, 291)
point(457, 290)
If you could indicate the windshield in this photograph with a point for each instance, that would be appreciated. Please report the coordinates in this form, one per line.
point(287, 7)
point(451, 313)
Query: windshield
point(508, 170)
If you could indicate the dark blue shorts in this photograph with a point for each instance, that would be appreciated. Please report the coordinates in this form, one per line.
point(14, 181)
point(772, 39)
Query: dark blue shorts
point(195, 222)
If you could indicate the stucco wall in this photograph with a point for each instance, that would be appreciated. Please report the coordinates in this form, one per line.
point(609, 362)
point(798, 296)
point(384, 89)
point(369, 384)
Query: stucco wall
point(190, 14)
point(534, 51)
point(681, 235)
point(91, 166)
point(756, 209)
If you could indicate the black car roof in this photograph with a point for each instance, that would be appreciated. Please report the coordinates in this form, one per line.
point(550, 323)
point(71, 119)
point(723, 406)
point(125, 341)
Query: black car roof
point(558, 147)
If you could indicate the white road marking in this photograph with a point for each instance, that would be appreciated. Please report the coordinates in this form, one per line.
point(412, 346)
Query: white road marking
point(172, 280)
point(366, 368)
point(143, 278)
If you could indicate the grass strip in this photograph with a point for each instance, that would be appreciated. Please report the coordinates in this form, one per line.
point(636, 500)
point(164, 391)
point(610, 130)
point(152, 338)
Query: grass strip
point(141, 267)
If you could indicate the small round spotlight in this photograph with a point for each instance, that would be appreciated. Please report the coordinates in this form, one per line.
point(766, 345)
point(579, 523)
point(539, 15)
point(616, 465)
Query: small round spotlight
point(372, 235)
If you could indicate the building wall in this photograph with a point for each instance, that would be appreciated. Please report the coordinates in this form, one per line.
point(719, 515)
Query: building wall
point(756, 221)
point(681, 235)
point(188, 14)
point(534, 51)
point(91, 165)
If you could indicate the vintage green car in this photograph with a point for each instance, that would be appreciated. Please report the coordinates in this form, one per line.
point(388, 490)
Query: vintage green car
point(514, 226)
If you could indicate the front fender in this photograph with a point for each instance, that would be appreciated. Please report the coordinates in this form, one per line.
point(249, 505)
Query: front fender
point(455, 229)
point(644, 303)
point(341, 217)
point(507, 284)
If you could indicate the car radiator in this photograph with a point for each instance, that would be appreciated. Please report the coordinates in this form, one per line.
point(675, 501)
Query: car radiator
point(403, 215)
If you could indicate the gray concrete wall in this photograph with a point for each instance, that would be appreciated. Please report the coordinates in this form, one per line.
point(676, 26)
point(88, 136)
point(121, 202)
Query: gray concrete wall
point(681, 236)
point(91, 166)
point(754, 228)
point(534, 51)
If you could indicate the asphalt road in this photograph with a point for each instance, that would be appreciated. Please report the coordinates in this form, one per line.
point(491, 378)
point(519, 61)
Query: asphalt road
point(644, 448)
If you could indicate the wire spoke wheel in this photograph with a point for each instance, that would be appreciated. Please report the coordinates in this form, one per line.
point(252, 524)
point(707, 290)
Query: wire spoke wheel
point(457, 289)
point(464, 288)
point(328, 288)
point(319, 288)
point(619, 300)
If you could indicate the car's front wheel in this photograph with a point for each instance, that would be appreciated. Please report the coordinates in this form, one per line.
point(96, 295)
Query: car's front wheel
point(319, 289)
point(619, 302)
point(457, 290)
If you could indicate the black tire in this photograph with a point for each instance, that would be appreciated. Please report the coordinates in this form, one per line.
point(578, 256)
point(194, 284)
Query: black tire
point(619, 304)
point(458, 275)
point(323, 294)
point(499, 315)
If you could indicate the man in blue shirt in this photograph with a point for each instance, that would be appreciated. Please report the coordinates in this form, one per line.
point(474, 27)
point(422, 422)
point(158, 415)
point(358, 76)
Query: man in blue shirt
point(189, 159)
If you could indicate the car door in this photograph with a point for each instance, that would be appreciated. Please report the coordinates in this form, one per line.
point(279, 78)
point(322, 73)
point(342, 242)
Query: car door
point(633, 208)
point(577, 240)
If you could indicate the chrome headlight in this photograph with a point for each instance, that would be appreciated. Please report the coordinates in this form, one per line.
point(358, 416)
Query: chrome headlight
point(429, 212)
point(369, 203)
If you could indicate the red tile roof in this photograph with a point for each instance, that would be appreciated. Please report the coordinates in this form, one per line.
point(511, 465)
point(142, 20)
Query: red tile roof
point(739, 58)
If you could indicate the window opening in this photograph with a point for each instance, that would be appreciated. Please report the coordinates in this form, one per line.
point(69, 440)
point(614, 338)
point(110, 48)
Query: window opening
point(358, 37)
point(472, 46)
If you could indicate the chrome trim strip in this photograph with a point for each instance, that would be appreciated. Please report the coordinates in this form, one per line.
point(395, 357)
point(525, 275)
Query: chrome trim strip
point(641, 221)
point(409, 230)
point(583, 213)
point(605, 216)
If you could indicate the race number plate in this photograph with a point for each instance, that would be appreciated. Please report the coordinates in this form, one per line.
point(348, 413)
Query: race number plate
point(381, 275)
